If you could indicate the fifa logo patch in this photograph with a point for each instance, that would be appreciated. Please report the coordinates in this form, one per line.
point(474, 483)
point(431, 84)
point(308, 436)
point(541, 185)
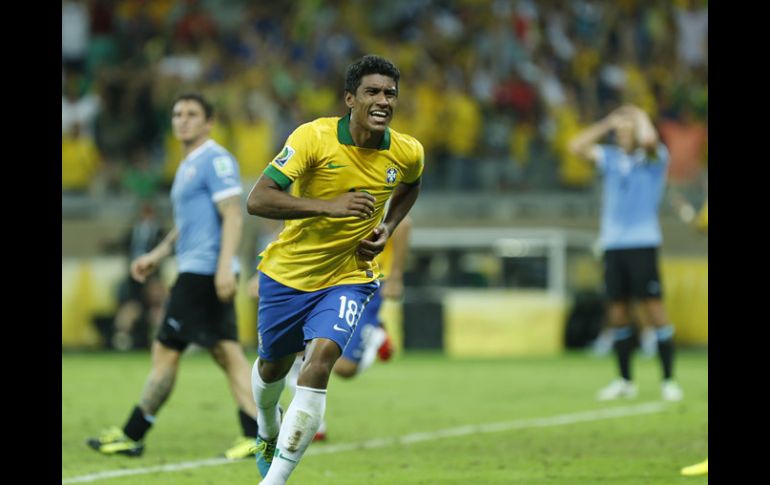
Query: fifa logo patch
point(189, 174)
point(390, 175)
point(223, 166)
point(284, 156)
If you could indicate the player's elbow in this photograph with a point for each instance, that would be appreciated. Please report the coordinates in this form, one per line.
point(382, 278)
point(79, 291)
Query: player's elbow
point(575, 149)
point(254, 208)
point(255, 204)
point(580, 151)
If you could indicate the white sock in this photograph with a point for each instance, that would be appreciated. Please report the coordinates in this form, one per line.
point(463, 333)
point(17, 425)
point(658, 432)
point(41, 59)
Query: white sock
point(266, 396)
point(300, 424)
point(293, 375)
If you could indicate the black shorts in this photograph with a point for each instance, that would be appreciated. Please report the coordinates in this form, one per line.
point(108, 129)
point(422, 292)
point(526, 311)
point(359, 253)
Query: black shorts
point(632, 273)
point(195, 315)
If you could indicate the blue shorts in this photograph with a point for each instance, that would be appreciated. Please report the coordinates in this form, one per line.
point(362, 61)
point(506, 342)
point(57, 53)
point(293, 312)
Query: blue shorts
point(369, 319)
point(288, 318)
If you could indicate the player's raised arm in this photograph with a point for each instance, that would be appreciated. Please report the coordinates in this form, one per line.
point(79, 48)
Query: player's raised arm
point(585, 143)
point(644, 130)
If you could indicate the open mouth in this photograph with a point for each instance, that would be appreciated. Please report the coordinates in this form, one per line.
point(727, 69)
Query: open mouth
point(379, 115)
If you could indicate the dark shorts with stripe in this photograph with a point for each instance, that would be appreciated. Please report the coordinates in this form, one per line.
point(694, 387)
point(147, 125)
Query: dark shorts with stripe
point(632, 273)
point(194, 314)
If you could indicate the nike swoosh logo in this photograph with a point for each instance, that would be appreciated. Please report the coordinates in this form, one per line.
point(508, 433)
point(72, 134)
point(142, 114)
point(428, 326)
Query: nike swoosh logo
point(333, 165)
point(339, 329)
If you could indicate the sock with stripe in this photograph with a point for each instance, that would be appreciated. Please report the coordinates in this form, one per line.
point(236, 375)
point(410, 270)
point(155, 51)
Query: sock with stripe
point(300, 424)
point(138, 424)
point(248, 424)
point(665, 337)
point(623, 343)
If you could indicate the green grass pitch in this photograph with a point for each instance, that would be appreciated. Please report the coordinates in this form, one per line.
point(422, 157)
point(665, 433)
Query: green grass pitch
point(538, 400)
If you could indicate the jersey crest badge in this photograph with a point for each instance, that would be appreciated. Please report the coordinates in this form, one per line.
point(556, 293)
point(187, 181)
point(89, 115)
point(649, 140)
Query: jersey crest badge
point(390, 175)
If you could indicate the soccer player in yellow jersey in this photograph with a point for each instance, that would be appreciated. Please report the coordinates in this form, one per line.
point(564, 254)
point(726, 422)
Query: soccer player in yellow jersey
point(370, 339)
point(319, 275)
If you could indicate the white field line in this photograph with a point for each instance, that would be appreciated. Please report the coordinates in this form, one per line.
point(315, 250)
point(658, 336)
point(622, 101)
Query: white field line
point(559, 420)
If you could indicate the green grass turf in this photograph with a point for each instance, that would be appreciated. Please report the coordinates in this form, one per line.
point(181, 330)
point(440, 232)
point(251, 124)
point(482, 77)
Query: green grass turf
point(414, 393)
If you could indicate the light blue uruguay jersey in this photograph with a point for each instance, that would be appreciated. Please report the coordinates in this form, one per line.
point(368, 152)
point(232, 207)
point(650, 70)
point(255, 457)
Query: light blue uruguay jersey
point(206, 176)
point(633, 188)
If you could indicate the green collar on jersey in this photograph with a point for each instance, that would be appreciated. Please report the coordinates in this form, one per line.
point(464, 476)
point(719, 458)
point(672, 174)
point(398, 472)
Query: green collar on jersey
point(344, 137)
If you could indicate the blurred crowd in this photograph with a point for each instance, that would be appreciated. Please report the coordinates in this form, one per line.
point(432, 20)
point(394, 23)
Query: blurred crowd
point(494, 89)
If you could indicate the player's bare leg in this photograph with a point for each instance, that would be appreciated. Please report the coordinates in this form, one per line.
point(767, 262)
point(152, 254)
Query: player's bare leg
point(229, 355)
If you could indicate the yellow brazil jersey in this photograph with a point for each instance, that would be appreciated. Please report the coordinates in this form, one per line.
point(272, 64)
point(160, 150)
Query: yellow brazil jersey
point(321, 161)
point(385, 259)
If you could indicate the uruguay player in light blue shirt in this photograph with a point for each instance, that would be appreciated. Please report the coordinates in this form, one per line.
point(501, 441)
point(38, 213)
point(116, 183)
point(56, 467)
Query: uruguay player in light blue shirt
point(634, 177)
point(206, 198)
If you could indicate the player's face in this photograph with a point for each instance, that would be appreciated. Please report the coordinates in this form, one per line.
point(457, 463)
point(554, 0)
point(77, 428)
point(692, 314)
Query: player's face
point(374, 103)
point(189, 121)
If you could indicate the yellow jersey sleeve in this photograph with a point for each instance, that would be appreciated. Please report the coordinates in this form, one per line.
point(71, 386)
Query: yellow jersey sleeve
point(415, 170)
point(297, 156)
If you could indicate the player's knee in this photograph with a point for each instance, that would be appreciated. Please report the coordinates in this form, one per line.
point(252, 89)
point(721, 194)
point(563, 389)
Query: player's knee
point(271, 371)
point(229, 356)
point(345, 369)
point(619, 314)
point(315, 374)
point(219, 355)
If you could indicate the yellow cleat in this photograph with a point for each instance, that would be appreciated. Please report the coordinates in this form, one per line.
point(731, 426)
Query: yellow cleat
point(701, 468)
point(244, 447)
point(115, 442)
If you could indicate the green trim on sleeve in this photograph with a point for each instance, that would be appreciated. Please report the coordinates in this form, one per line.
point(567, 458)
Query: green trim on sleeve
point(277, 176)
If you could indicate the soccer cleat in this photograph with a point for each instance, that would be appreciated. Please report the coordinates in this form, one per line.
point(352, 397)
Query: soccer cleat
point(243, 447)
point(701, 468)
point(264, 451)
point(385, 351)
point(670, 391)
point(115, 442)
point(619, 388)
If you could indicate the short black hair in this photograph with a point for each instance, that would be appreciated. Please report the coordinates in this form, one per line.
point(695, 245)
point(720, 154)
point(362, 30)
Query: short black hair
point(369, 64)
point(208, 108)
